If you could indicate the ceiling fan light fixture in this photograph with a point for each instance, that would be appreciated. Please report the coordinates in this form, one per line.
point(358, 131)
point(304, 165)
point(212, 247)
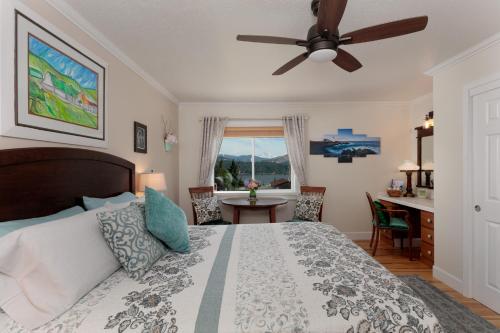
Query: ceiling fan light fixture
point(323, 55)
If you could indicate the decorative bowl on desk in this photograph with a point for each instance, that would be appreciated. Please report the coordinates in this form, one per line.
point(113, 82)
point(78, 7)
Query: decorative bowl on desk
point(394, 192)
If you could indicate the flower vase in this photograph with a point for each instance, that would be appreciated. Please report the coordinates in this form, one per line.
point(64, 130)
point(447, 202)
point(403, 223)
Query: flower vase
point(252, 195)
point(168, 146)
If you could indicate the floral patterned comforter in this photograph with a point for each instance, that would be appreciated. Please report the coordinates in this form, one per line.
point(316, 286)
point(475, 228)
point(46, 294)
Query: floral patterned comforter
point(283, 277)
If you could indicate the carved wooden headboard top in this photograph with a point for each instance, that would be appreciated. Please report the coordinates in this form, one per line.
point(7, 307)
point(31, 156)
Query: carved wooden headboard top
point(41, 181)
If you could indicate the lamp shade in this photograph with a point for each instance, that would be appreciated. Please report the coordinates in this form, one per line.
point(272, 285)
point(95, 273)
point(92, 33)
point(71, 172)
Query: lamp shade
point(154, 180)
point(408, 166)
point(428, 166)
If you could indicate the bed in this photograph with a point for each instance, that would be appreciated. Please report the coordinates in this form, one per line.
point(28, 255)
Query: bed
point(283, 277)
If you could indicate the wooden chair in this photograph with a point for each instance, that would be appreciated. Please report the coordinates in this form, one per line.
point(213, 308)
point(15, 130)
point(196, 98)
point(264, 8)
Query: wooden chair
point(202, 193)
point(313, 190)
point(395, 223)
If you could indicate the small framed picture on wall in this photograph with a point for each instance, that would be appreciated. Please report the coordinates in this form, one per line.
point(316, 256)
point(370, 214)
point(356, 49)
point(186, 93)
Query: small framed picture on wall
point(140, 138)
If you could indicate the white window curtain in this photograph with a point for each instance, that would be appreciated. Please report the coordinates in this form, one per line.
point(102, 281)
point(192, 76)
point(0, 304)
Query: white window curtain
point(295, 135)
point(212, 136)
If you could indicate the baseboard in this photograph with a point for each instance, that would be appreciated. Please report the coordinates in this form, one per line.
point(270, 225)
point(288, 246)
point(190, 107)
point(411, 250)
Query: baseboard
point(364, 235)
point(447, 278)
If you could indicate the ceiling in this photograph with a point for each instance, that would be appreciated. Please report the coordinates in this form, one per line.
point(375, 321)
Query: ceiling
point(190, 47)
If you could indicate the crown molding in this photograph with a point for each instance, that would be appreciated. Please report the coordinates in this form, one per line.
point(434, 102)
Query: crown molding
point(74, 17)
point(484, 45)
point(294, 103)
point(422, 98)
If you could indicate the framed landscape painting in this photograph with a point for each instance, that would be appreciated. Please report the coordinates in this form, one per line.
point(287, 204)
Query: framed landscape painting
point(59, 87)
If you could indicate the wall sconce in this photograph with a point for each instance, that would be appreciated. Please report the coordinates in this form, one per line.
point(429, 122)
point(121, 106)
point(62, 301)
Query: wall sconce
point(408, 167)
point(429, 120)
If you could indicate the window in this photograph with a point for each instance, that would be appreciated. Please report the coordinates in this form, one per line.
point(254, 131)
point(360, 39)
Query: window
point(258, 153)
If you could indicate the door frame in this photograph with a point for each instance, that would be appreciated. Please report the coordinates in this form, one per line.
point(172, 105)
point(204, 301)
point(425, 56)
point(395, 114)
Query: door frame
point(473, 89)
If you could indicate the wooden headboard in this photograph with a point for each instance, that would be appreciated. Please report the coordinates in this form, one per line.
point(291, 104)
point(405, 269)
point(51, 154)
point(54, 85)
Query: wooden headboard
point(41, 181)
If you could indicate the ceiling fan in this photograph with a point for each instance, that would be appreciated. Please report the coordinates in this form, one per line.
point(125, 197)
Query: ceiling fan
point(323, 38)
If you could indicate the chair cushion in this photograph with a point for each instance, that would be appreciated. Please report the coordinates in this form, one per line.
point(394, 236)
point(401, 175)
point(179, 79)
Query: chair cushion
point(207, 210)
point(294, 219)
point(308, 207)
point(217, 222)
point(166, 221)
point(132, 244)
point(382, 216)
point(398, 223)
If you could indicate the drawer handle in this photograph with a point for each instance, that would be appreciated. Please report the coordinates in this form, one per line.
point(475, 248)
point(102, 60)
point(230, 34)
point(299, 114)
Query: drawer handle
point(429, 221)
point(429, 252)
point(429, 236)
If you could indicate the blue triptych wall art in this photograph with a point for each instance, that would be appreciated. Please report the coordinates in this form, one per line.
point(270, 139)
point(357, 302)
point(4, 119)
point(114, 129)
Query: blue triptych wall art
point(345, 145)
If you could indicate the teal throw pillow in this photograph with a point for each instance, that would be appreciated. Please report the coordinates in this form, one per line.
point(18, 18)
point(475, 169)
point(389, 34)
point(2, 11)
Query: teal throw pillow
point(166, 221)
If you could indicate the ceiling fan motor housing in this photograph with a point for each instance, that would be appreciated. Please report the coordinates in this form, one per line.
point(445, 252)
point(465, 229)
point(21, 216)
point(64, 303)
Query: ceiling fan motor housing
point(319, 42)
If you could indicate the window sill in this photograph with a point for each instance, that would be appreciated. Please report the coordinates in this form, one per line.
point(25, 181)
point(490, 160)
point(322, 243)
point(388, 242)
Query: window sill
point(287, 194)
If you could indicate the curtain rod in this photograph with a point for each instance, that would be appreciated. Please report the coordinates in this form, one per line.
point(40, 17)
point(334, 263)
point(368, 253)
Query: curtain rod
point(253, 119)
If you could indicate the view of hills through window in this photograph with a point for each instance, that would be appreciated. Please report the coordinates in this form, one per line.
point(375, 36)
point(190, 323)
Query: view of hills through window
point(263, 159)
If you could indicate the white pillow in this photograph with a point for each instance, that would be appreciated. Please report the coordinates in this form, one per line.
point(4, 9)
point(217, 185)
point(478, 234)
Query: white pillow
point(46, 268)
point(115, 206)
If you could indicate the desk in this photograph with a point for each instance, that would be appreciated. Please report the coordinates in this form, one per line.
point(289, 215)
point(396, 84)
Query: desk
point(417, 203)
point(269, 204)
point(422, 213)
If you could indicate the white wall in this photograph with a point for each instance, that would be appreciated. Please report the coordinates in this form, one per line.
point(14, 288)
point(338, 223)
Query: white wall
point(345, 202)
point(449, 84)
point(130, 99)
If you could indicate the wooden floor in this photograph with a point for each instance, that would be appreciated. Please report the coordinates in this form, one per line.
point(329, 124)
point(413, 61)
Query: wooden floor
point(393, 260)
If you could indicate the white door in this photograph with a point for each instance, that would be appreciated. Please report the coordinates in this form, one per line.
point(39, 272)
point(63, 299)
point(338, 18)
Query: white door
point(486, 179)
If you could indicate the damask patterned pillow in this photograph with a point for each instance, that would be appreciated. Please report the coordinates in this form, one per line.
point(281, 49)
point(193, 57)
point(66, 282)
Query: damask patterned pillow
point(308, 207)
point(132, 244)
point(207, 210)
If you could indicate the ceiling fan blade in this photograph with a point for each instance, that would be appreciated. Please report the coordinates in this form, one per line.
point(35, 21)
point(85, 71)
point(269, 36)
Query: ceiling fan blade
point(271, 40)
point(386, 30)
point(291, 64)
point(346, 61)
point(329, 15)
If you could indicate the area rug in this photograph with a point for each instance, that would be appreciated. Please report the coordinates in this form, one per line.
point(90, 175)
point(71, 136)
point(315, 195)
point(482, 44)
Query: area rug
point(453, 316)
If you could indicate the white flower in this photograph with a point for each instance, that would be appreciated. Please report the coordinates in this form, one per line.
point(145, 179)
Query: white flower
point(170, 138)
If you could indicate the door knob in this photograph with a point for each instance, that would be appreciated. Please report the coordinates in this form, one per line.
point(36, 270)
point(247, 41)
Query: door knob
point(477, 208)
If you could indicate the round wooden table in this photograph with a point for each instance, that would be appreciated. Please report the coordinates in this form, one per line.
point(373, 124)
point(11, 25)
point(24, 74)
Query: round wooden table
point(268, 203)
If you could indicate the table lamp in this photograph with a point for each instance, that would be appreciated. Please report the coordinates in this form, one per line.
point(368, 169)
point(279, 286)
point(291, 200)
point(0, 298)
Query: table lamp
point(409, 167)
point(154, 180)
point(427, 168)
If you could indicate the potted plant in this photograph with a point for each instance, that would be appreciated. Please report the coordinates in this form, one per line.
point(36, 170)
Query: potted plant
point(169, 138)
point(253, 186)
